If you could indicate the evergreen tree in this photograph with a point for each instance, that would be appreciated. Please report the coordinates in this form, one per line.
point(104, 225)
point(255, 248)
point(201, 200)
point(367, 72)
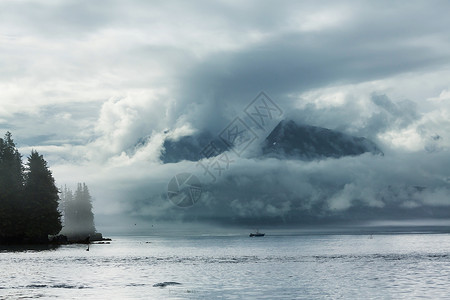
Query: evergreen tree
point(77, 211)
point(69, 211)
point(11, 188)
point(66, 199)
point(28, 200)
point(85, 210)
point(42, 199)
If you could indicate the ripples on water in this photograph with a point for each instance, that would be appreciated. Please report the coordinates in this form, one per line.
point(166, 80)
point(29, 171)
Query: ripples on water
point(233, 267)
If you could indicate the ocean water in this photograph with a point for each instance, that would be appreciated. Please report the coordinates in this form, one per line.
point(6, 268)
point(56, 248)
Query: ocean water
point(394, 266)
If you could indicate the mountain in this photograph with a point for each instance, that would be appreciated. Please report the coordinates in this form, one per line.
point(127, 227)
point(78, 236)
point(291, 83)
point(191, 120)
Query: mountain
point(287, 140)
point(189, 147)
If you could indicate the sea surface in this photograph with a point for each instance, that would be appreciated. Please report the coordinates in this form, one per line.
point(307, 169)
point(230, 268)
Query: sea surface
point(392, 266)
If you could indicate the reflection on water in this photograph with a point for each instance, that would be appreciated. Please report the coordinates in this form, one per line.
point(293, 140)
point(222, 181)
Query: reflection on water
point(275, 267)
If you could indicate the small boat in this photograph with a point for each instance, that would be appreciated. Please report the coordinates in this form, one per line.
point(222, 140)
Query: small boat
point(257, 233)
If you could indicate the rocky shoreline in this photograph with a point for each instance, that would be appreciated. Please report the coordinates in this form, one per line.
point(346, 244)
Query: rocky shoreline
point(60, 239)
point(96, 238)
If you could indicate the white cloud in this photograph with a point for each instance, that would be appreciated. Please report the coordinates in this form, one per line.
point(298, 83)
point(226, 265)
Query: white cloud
point(94, 89)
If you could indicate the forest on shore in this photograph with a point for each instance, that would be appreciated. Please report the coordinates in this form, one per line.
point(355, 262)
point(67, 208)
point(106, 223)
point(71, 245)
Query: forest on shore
point(28, 196)
point(77, 216)
point(30, 207)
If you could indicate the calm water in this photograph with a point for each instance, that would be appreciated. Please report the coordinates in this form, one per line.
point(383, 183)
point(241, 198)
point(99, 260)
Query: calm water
point(235, 267)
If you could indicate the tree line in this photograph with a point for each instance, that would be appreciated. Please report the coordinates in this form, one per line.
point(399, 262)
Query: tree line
point(30, 206)
point(28, 196)
point(78, 218)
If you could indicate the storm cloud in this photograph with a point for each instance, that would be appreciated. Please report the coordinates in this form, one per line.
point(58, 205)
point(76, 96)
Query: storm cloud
point(98, 86)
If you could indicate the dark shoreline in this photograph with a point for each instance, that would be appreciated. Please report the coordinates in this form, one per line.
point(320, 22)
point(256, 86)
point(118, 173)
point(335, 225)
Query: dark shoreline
point(56, 241)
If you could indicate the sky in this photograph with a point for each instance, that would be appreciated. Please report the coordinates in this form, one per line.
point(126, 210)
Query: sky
point(96, 87)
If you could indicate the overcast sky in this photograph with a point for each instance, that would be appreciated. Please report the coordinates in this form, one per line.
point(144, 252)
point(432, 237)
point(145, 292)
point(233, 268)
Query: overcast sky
point(85, 82)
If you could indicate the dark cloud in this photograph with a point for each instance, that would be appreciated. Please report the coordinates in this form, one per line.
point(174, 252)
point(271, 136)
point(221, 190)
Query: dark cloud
point(371, 45)
point(296, 62)
point(294, 192)
point(95, 85)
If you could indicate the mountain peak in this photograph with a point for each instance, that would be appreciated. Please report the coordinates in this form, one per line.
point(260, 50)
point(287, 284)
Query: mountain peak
point(290, 140)
point(287, 140)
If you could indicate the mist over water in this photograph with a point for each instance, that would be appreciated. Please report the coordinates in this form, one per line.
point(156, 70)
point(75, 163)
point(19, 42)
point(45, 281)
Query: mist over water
point(234, 267)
